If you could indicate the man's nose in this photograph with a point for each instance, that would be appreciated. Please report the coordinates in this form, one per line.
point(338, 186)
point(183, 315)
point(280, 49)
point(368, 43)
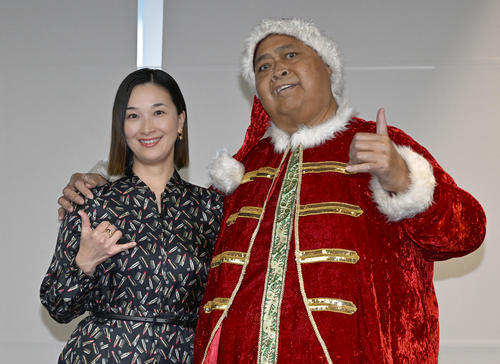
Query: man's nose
point(280, 71)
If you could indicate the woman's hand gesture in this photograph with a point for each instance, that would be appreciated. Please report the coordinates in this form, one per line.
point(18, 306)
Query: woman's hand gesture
point(97, 245)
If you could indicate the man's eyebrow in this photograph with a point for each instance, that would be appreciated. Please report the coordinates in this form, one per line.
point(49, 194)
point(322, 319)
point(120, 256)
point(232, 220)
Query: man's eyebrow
point(278, 50)
point(283, 47)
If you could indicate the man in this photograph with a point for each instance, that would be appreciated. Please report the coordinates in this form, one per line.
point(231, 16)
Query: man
point(327, 247)
point(331, 223)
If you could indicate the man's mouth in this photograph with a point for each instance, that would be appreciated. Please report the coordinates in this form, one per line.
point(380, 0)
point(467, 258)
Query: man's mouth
point(148, 143)
point(282, 88)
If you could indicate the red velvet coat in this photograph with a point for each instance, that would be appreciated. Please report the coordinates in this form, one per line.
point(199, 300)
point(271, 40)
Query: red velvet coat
point(355, 284)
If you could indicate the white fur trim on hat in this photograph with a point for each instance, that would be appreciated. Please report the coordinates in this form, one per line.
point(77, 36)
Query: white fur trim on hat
point(311, 136)
point(417, 198)
point(225, 172)
point(306, 32)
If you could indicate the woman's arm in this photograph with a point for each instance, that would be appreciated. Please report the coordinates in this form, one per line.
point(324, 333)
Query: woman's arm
point(70, 279)
point(65, 289)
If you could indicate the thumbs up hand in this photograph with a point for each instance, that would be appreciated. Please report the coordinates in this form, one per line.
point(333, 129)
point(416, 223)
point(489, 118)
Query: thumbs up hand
point(374, 153)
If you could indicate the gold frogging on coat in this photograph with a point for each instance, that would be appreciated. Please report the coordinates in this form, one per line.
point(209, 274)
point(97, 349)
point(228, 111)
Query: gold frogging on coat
point(250, 212)
point(336, 305)
point(218, 303)
point(307, 167)
point(264, 172)
point(230, 257)
point(328, 255)
point(330, 208)
point(324, 167)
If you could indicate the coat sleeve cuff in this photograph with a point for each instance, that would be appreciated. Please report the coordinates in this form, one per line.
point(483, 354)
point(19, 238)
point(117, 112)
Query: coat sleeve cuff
point(419, 195)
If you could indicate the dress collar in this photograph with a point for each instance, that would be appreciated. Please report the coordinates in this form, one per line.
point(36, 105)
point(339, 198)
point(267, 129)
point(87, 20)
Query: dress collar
point(174, 184)
point(311, 136)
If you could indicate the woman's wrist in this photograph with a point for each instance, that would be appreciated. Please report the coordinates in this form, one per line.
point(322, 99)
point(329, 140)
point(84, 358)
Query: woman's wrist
point(87, 268)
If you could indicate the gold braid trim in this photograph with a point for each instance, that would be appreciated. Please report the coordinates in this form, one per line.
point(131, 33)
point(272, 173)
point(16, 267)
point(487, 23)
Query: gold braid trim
point(251, 212)
point(328, 255)
point(231, 257)
point(309, 167)
point(299, 270)
point(264, 172)
point(330, 208)
point(331, 304)
point(218, 303)
point(324, 167)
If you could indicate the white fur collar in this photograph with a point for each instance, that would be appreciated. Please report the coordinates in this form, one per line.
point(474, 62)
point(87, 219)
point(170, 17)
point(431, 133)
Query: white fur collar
point(226, 172)
point(311, 136)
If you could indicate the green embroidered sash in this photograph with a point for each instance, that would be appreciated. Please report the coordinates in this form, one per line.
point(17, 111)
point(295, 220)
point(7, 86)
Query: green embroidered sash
point(276, 269)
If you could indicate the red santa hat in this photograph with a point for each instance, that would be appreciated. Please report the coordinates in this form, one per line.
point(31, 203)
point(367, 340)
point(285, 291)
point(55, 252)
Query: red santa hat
point(226, 172)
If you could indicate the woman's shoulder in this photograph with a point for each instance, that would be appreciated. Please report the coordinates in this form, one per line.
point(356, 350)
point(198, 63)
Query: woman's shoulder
point(205, 195)
point(209, 202)
point(201, 191)
point(115, 186)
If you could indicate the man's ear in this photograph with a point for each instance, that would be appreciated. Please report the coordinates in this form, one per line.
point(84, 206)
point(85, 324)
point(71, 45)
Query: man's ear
point(330, 71)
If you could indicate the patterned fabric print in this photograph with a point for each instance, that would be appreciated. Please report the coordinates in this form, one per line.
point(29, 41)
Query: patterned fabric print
point(164, 275)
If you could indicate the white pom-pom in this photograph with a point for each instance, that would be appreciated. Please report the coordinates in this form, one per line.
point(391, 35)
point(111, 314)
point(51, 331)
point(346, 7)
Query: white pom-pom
point(225, 172)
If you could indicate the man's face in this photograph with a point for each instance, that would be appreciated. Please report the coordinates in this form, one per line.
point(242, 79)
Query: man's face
point(293, 83)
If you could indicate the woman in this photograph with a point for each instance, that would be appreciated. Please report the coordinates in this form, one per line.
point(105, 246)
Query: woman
point(136, 255)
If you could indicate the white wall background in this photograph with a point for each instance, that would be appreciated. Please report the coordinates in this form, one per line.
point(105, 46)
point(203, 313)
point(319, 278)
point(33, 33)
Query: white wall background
point(60, 65)
point(434, 66)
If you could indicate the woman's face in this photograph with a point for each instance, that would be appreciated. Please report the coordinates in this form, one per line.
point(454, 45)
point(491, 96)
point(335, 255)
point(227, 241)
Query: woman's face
point(152, 125)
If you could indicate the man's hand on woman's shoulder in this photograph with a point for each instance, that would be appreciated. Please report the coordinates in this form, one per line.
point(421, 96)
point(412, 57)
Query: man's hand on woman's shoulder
point(78, 185)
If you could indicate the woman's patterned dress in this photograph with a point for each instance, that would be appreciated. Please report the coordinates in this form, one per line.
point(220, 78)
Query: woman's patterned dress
point(164, 275)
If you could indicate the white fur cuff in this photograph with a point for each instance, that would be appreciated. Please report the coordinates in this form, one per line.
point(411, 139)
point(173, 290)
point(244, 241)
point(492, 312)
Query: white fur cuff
point(101, 168)
point(419, 195)
point(225, 172)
